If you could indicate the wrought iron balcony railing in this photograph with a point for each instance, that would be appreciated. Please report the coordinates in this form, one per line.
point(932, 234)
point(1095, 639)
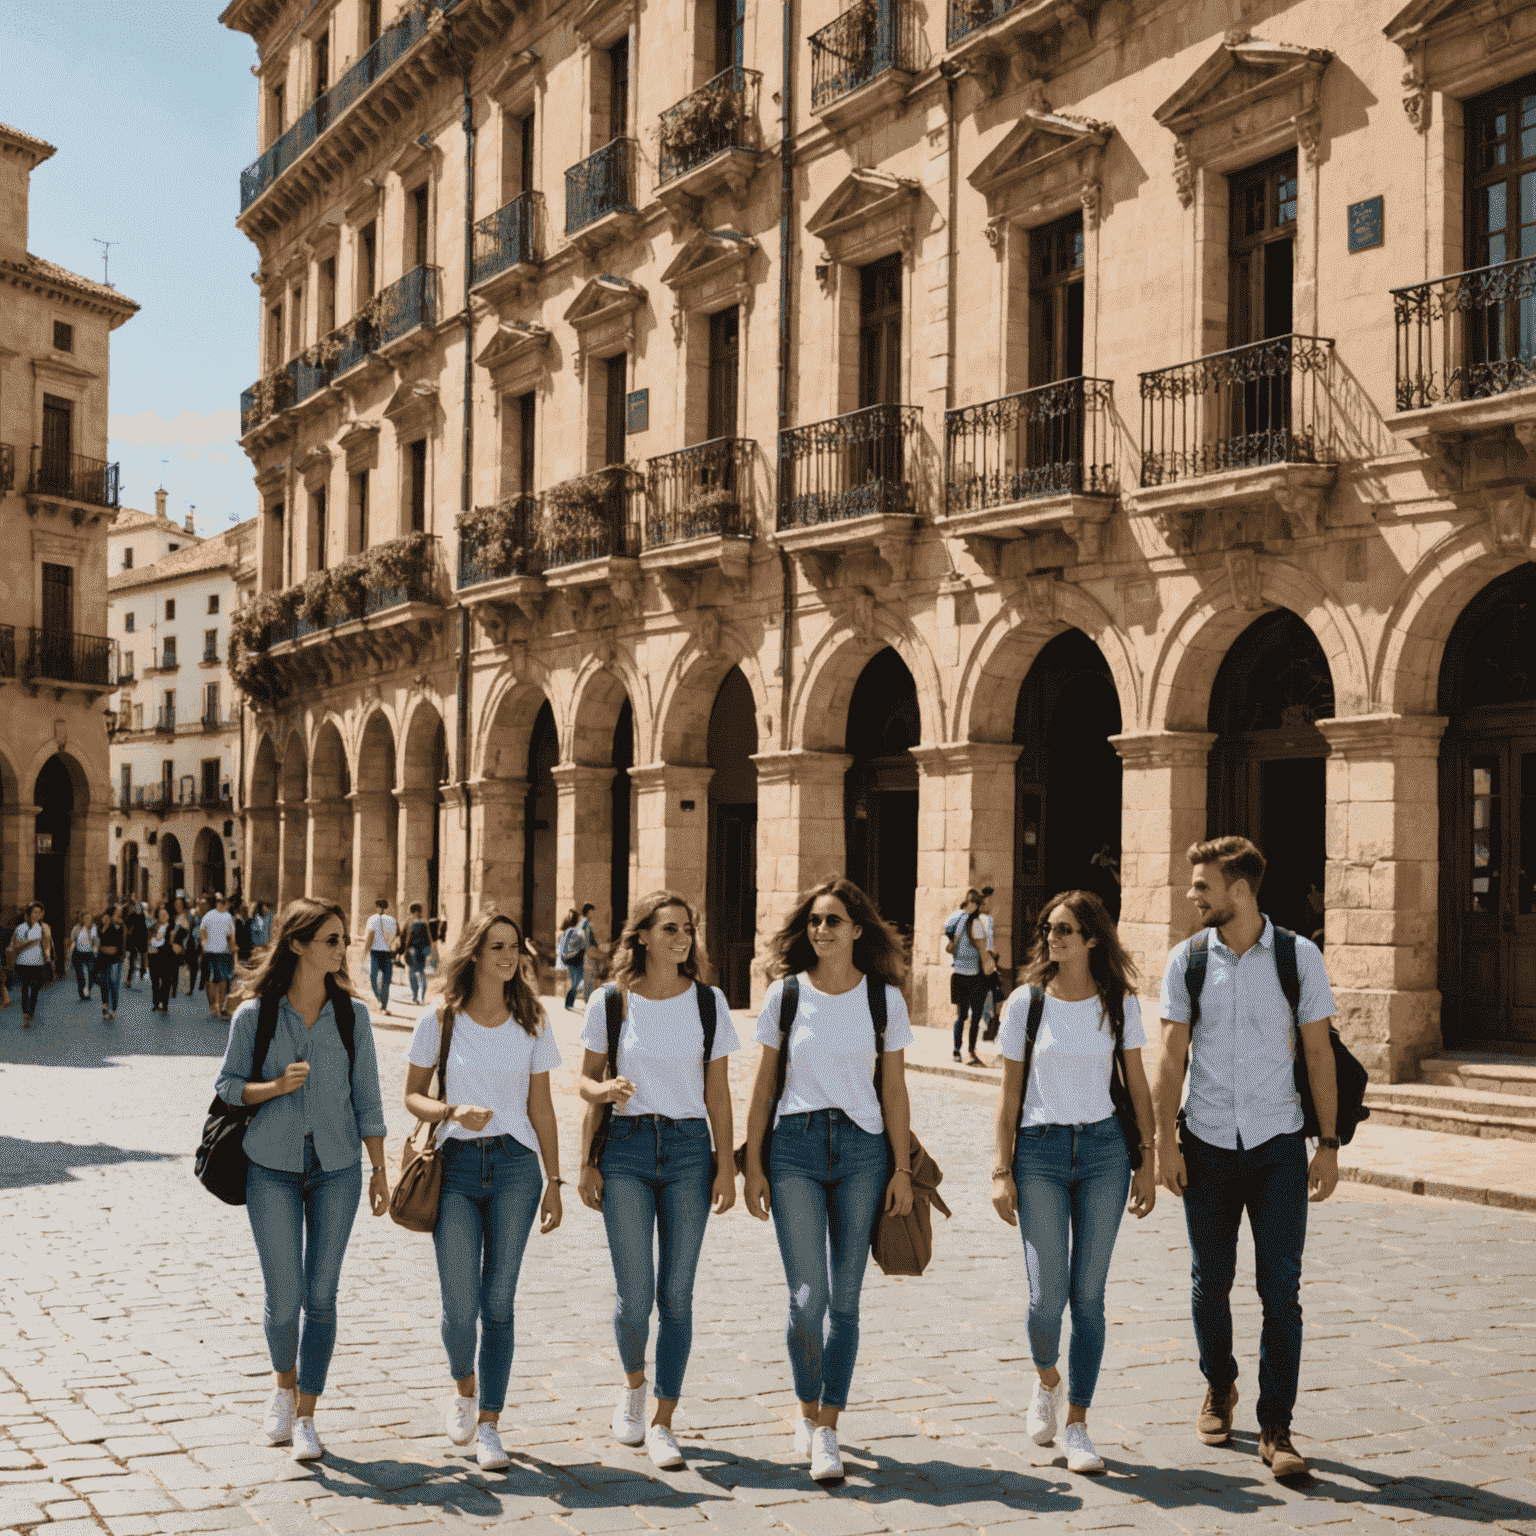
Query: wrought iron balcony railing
point(151, 797)
point(701, 492)
point(968, 16)
point(852, 466)
point(602, 183)
point(868, 39)
point(512, 236)
point(1055, 440)
point(1270, 402)
point(328, 106)
point(7, 468)
point(357, 589)
point(210, 653)
point(1468, 336)
point(591, 517)
point(74, 477)
point(408, 302)
point(7, 650)
point(718, 116)
point(505, 547)
point(64, 657)
point(414, 584)
point(168, 662)
point(165, 722)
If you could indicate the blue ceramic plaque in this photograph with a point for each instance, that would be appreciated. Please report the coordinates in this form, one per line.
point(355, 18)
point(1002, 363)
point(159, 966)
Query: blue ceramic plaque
point(1365, 231)
point(637, 411)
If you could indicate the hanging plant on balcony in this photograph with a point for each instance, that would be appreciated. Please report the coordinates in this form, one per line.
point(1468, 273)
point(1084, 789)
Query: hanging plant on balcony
point(269, 395)
point(861, 22)
point(348, 586)
point(323, 354)
point(403, 565)
point(314, 599)
point(497, 534)
point(701, 123)
point(579, 509)
point(974, 14)
point(250, 633)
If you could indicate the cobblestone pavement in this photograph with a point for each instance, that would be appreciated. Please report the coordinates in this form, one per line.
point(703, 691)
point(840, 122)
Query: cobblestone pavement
point(133, 1373)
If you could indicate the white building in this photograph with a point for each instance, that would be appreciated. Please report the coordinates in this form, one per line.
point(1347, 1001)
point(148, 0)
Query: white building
point(176, 719)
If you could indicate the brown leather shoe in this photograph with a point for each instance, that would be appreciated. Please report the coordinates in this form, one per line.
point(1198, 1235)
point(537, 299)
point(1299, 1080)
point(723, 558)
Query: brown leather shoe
point(1214, 1425)
point(1280, 1456)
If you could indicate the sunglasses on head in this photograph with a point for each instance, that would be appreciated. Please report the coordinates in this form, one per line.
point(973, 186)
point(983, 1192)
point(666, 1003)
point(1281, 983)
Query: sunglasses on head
point(1061, 930)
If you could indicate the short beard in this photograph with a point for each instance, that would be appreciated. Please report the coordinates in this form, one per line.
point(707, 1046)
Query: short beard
point(1217, 919)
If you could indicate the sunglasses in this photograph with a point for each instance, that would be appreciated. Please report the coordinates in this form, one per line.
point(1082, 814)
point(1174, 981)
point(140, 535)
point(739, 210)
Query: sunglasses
point(333, 941)
point(831, 920)
point(1060, 930)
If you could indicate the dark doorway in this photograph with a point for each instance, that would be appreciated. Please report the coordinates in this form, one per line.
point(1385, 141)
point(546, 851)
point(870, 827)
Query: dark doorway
point(1066, 823)
point(880, 332)
point(732, 878)
point(618, 90)
point(623, 814)
point(540, 811)
point(208, 855)
point(615, 384)
point(730, 29)
point(54, 796)
point(1266, 775)
point(1488, 817)
point(880, 788)
point(724, 363)
point(439, 778)
point(58, 445)
point(175, 872)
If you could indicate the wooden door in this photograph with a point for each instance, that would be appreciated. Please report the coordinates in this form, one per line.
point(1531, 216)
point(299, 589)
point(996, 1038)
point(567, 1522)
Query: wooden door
point(734, 891)
point(724, 362)
point(58, 444)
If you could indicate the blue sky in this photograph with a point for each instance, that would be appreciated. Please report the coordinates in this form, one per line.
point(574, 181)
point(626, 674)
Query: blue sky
point(151, 105)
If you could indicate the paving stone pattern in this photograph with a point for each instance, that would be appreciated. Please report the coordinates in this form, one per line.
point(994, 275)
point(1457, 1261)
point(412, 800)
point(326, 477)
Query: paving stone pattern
point(133, 1373)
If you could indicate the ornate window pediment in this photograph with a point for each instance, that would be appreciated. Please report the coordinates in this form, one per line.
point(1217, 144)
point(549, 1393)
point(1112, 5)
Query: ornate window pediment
point(360, 443)
point(711, 270)
point(603, 316)
point(1251, 98)
point(1047, 162)
point(515, 356)
point(412, 406)
point(1460, 48)
point(599, 22)
point(868, 214)
point(314, 467)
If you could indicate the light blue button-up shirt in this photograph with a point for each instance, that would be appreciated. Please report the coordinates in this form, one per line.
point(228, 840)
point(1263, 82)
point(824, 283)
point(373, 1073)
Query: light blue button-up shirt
point(336, 1113)
point(1242, 1067)
point(967, 958)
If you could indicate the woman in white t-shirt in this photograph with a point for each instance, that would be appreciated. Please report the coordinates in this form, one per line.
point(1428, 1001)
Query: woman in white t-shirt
point(823, 1104)
point(1070, 1143)
point(32, 945)
point(82, 954)
point(649, 1166)
point(497, 1107)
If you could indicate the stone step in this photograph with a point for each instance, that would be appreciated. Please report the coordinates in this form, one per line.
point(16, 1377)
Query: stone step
point(1485, 1072)
point(1456, 1110)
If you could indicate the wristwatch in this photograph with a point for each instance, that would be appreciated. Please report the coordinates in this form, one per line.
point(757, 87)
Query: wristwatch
point(378, 1170)
point(1331, 1142)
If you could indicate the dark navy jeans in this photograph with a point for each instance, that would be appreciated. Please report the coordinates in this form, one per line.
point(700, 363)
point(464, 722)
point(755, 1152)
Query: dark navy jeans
point(1270, 1183)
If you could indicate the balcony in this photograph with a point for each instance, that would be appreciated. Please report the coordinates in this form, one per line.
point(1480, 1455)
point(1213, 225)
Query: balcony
point(215, 721)
point(169, 663)
point(863, 61)
point(1033, 463)
point(699, 513)
point(63, 661)
point(847, 483)
point(600, 195)
point(983, 34)
point(1245, 430)
point(508, 247)
point(7, 468)
point(210, 656)
point(165, 722)
point(72, 477)
point(589, 533)
point(709, 141)
point(405, 308)
point(501, 564)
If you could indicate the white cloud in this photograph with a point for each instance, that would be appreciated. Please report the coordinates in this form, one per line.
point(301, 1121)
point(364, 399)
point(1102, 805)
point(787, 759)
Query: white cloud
point(187, 428)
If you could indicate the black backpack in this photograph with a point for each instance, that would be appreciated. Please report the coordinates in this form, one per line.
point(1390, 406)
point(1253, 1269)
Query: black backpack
point(220, 1163)
point(1349, 1076)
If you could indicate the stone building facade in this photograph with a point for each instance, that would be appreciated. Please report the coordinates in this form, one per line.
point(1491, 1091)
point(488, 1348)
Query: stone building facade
point(978, 443)
point(57, 499)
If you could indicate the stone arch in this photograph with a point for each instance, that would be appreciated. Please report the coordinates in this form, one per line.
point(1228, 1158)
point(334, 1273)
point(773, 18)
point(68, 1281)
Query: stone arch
point(209, 871)
point(504, 728)
point(328, 866)
point(1179, 690)
point(292, 822)
point(688, 693)
point(1007, 647)
point(598, 696)
point(261, 819)
point(419, 777)
point(89, 788)
point(262, 789)
point(375, 819)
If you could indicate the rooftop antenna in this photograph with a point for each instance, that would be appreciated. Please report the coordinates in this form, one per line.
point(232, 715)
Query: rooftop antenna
point(163, 463)
point(106, 250)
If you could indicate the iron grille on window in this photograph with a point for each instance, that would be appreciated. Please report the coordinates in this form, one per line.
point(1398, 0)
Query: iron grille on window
point(968, 16)
point(868, 39)
point(69, 658)
point(510, 237)
point(408, 302)
point(851, 466)
point(602, 183)
point(718, 116)
point(701, 492)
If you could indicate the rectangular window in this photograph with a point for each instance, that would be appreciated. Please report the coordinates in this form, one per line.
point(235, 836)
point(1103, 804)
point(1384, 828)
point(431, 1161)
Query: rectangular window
point(128, 558)
point(63, 336)
point(168, 651)
point(1056, 301)
point(275, 114)
point(127, 670)
point(210, 645)
point(323, 64)
point(525, 460)
point(618, 90)
point(730, 27)
point(525, 153)
point(58, 445)
point(374, 23)
point(880, 332)
point(128, 623)
point(418, 483)
point(326, 319)
point(168, 711)
point(296, 323)
point(213, 602)
point(1501, 227)
point(616, 379)
point(210, 767)
point(367, 260)
point(322, 533)
point(126, 780)
point(274, 337)
point(138, 717)
point(170, 608)
point(359, 541)
point(724, 361)
point(1261, 240)
point(211, 702)
point(58, 602)
point(419, 203)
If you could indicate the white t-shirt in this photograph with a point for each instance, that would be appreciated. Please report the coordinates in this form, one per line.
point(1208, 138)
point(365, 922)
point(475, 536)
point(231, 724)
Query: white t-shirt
point(159, 936)
point(85, 940)
point(215, 930)
point(382, 926)
point(1074, 1056)
point(661, 1050)
point(832, 1050)
point(30, 937)
point(488, 1067)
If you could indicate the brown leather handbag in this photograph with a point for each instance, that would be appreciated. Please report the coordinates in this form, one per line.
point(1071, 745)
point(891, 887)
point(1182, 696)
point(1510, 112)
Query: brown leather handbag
point(416, 1198)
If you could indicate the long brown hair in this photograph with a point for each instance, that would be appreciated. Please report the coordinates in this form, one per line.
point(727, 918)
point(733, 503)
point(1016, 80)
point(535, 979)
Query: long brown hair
point(458, 974)
point(301, 920)
point(877, 951)
point(629, 954)
point(1114, 972)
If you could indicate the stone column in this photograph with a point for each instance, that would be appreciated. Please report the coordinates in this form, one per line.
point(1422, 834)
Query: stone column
point(800, 837)
point(326, 852)
point(964, 838)
point(263, 842)
point(373, 853)
point(584, 843)
point(496, 844)
point(672, 823)
point(414, 813)
point(90, 859)
point(452, 899)
point(292, 850)
point(1381, 888)
point(18, 828)
point(1162, 797)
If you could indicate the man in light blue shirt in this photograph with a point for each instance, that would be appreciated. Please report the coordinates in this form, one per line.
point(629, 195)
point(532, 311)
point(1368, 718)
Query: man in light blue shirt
point(968, 986)
point(1237, 1144)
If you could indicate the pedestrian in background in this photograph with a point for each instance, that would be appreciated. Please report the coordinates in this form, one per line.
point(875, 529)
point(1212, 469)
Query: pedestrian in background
point(571, 951)
point(416, 948)
point(32, 948)
point(966, 933)
point(1063, 1165)
point(110, 943)
point(163, 960)
point(7, 928)
point(261, 926)
point(190, 956)
point(136, 931)
point(216, 933)
point(992, 1007)
point(205, 908)
point(317, 1089)
point(1237, 1144)
point(656, 1181)
point(82, 954)
point(826, 1167)
point(381, 945)
point(498, 1108)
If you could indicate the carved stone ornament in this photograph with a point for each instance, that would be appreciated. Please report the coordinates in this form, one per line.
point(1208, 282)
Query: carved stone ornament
point(1243, 574)
point(707, 631)
point(603, 317)
point(710, 270)
point(1040, 593)
point(1047, 164)
point(1183, 174)
point(868, 214)
point(1509, 520)
point(1416, 99)
point(515, 355)
point(1090, 194)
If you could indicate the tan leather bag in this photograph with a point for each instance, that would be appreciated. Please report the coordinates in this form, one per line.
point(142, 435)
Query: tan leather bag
point(903, 1245)
point(416, 1198)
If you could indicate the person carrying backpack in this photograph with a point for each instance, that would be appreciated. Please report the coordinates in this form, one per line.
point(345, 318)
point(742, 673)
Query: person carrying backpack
point(1234, 1002)
point(966, 934)
point(576, 938)
point(415, 947)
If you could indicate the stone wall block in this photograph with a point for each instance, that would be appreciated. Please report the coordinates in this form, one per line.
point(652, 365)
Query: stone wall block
point(1389, 1031)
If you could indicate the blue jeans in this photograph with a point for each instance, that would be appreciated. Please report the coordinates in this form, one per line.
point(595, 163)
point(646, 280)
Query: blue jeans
point(1269, 1182)
point(656, 1180)
point(1072, 1181)
point(826, 1178)
point(301, 1223)
point(491, 1191)
point(108, 974)
point(85, 969)
point(381, 971)
point(576, 970)
point(32, 979)
point(416, 968)
point(973, 991)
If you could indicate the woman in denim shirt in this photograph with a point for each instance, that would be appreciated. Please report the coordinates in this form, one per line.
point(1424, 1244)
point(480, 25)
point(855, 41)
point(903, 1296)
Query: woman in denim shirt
point(302, 1190)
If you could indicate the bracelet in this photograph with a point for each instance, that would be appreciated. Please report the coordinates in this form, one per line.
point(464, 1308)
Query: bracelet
point(906, 1171)
point(553, 1179)
point(1145, 1146)
point(378, 1170)
point(1002, 1173)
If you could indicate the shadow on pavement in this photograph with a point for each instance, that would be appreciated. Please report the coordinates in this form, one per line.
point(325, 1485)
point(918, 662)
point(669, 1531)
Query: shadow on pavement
point(70, 1033)
point(24, 1163)
point(1435, 1496)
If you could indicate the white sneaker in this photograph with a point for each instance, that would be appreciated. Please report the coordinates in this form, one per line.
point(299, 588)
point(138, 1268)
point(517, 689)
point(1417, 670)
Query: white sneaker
point(278, 1424)
point(804, 1430)
point(1044, 1406)
point(306, 1443)
point(629, 1416)
point(489, 1452)
point(662, 1448)
point(1081, 1456)
point(826, 1460)
point(460, 1419)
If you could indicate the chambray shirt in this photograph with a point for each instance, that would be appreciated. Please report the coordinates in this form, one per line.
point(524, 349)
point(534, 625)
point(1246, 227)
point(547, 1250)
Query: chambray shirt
point(337, 1116)
point(1242, 1065)
point(966, 959)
